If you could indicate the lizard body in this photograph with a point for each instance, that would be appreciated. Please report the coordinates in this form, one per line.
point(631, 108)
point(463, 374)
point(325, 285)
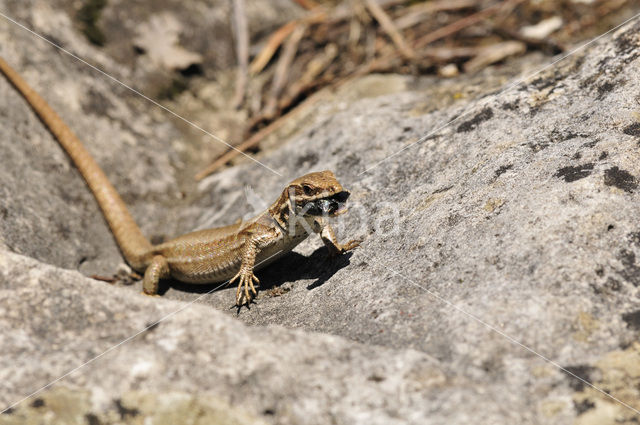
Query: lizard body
point(211, 255)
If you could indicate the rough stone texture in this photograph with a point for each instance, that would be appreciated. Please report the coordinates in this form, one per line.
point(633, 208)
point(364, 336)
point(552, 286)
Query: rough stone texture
point(42, 183)
point(287, 376)
point(521, 215)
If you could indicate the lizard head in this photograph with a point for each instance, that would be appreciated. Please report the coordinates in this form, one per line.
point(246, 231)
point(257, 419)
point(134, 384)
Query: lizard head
point(316, 194)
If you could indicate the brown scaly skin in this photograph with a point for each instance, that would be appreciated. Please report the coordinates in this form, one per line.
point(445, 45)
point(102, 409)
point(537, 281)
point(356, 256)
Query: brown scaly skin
point(212, 255)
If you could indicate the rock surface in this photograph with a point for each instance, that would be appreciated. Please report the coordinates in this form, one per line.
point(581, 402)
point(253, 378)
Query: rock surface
point(509, 234)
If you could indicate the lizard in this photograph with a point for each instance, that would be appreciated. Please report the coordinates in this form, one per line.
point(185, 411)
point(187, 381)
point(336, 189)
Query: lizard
point(230, 253)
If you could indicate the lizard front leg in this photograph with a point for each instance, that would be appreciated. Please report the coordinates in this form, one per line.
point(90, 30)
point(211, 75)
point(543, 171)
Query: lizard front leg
point(245, 276)
point(329, 239)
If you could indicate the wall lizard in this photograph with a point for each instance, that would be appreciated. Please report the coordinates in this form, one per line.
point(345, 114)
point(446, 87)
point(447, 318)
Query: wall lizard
point(213, 255)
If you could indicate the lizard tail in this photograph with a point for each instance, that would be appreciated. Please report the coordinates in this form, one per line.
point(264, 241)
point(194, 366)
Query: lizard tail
point(134, 246)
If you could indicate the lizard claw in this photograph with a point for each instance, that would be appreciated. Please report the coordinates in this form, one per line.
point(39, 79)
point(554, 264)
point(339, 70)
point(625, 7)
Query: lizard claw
point(350, 245)
point(245, 281)
point(342, 248)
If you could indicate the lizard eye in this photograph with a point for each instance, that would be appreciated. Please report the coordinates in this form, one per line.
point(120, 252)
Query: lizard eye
point(307, 189)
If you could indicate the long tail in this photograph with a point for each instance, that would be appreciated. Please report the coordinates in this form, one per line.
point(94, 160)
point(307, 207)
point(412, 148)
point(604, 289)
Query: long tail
point(134, 246)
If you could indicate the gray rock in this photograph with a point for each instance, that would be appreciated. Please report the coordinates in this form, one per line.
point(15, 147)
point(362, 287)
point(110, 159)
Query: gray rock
point(51, 325)
point(507, 235)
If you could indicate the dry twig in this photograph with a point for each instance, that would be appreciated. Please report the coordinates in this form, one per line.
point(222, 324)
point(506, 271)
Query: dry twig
point(254, 140)
point(417, 13)
point(387, 25)
point(270, 48)
point(242, 51)
point(282, 69)
point(307, 4)
point(279, 36)
point(460, 24)
point(310, 77)
point(355, 47)
point(494, 53)
point(388, 61)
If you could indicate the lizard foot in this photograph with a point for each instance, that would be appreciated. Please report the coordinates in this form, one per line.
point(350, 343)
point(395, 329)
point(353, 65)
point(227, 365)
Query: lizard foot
point(342, 248)
point(350, 245)
point(245, 280)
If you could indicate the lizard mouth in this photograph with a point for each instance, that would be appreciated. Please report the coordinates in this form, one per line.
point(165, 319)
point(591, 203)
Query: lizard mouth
point(330, 206)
